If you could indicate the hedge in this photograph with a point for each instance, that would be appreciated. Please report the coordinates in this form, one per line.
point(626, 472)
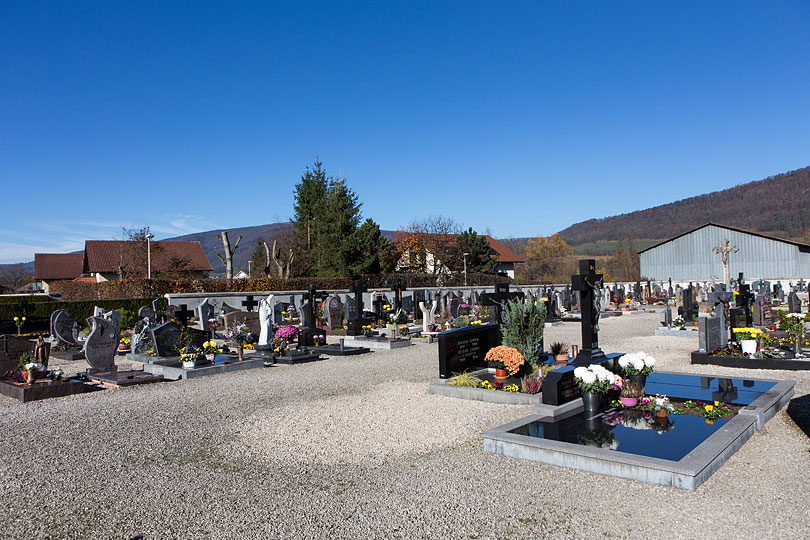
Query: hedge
point(144, 288)
point(79, 310)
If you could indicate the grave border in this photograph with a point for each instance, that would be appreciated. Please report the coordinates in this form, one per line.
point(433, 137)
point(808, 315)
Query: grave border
point(744, 362)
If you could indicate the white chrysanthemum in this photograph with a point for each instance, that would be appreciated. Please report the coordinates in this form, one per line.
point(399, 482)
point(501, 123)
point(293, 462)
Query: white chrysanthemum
point(589, 377)
point(637, 363)
point(579, 371)
point(626, 359)
point(612, 378)
point(649, 361)
point(601, 375)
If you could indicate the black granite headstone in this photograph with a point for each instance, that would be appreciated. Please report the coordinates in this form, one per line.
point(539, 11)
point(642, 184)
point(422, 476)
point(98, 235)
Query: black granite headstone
point(560, 386)
point(465, 348)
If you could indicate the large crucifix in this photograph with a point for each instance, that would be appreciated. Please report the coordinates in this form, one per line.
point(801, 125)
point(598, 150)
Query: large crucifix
point(723, 250)
point(589, 285)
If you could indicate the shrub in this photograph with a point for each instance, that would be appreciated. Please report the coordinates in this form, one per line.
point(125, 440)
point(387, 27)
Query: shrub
point(523, 326)
point(464, 379)
point(531, 385)
point(557, 348)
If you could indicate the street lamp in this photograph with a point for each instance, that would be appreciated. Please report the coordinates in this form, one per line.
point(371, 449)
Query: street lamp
point(249, 263)
point(465, 269)
point(149, 255)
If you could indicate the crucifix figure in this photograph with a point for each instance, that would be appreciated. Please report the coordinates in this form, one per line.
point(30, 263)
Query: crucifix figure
point(397, 289)
point(589, 285)
point(723, 250)
point(722, 296)
point(497, 300)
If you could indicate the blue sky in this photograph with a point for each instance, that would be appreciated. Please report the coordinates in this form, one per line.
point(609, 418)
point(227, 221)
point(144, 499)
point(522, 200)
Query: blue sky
point(515, 118)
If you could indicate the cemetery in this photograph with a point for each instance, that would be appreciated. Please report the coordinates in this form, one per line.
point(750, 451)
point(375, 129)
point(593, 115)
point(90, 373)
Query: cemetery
point(532, 379)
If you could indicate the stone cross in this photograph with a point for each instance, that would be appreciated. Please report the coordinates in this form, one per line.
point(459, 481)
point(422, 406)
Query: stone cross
point(355, 322)
point(397, 289)
point(249, 302)
point(183, 314)
point(723, 250)
point(588, 283)
point(498, 299)
point(745, 299)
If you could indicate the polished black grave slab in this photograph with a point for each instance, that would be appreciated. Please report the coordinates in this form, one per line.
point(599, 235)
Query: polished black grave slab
point(728, 390)
point(628, 430)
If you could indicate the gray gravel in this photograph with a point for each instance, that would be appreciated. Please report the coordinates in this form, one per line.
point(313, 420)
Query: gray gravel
point(355, 447)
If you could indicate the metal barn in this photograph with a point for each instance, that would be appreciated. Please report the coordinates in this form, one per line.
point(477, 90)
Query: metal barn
point(691, 257)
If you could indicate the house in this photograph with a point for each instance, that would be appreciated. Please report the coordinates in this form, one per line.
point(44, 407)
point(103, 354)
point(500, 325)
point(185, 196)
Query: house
point(691, 256)
point(51, 267)
point(507, 259)
point(109, 260)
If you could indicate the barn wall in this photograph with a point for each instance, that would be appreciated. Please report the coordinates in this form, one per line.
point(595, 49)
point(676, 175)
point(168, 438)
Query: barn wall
point(690, 257)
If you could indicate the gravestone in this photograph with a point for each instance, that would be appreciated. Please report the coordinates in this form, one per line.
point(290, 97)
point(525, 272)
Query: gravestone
point(688, 310)
point(397, 288)
point(204, 311)
point(334, 312)
point(417, 297)
point(738, 318)
point(249, 318)
point(711, 334)
point(497, 300)
point(249, 303)
point(666, 317)
point(408, 305)
point(11, 348)
point(588, 283)
point(64, 328)
point(428, 316)
point(146, 312)
point(182, 314)
point(101, 344)
point(566, 297)
point(453, 303)
point(356, 321)
point(465, 348)
point(560, 386)
point(619, 294)
point(794, 304)
point(164, 338)
point(779, 293)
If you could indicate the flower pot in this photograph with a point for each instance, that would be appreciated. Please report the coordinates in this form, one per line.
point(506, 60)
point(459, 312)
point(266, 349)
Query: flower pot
point(240, 352)
point(748, 346)
point(561, 358)
point(189, 365)
point(591, 402)
point(629, 401)
point(662, 413)
point(124, 348)
point(501, 374)
point(30, 375)
point(210, 357)
point(640, 380)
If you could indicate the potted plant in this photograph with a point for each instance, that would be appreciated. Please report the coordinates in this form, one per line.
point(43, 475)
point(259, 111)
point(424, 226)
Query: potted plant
point(30, 369)
point(794, 326)
point(125, 344)
point(559, 351)
point(280, 346)
point(594, 381)
point(240, 334)
point(636, 366)
point(661, 406)
point(747, 338)
point(319, 340)
point(367, 330)
point(211, 349)
point(679, 322)
point(505, 360)
point(189, 355)
point(19, 321)
point(630, 393)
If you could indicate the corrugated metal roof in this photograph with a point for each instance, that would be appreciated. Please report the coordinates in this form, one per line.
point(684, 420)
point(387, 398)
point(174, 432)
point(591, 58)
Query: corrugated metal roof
point(804, 248)
point(48, 266)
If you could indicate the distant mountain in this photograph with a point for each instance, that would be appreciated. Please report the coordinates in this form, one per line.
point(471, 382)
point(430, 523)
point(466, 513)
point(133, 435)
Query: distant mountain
point(778, 205)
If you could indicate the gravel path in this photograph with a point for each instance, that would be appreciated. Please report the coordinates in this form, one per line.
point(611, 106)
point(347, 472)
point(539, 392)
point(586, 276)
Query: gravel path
point(354, 447)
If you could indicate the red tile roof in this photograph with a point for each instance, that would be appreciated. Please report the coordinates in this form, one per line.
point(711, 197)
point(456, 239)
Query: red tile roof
point(505, 255)
point(49, 266)
point(106, 255)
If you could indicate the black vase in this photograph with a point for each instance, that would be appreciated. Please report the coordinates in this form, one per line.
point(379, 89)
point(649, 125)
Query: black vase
point(591, 402)
point(640, 380)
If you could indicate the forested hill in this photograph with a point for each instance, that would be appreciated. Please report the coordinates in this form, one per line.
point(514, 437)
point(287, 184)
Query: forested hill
point(778, 205)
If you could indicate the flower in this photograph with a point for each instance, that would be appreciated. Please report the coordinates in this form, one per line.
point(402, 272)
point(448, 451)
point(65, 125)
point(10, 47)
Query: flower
point(16, 319)
point(709, 421)
point(503, 357)
point(709, 408)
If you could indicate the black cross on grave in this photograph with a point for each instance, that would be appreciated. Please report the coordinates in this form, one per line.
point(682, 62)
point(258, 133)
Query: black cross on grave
point(249, 302)
point(378, 304)
point(588, 283)
point(745, 299)
point(397, 290)
point(355, 324)
point(311, 296)
point(722, 296)
point(183, 314)
point(22, 308)
point(498, 299)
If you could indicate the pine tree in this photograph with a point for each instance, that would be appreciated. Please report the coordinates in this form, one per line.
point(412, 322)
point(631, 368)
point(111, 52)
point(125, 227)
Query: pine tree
point(334, 229)
point(367, 250)
point(478, 252)
point(310, 198)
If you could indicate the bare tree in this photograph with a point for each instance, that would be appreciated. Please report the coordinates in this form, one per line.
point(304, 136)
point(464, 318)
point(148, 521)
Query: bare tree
point(435, 236)
point(282, 267)
point(14, 276)
point(228, 258)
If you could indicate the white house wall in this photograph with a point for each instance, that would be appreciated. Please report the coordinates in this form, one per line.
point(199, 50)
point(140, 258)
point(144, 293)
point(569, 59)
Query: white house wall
point(691, 257)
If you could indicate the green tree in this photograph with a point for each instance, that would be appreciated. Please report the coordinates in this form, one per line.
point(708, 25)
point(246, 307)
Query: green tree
point(334, 229)
point(479, 254)
point(258, 260)
point(310, 198)
point(368, 250)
